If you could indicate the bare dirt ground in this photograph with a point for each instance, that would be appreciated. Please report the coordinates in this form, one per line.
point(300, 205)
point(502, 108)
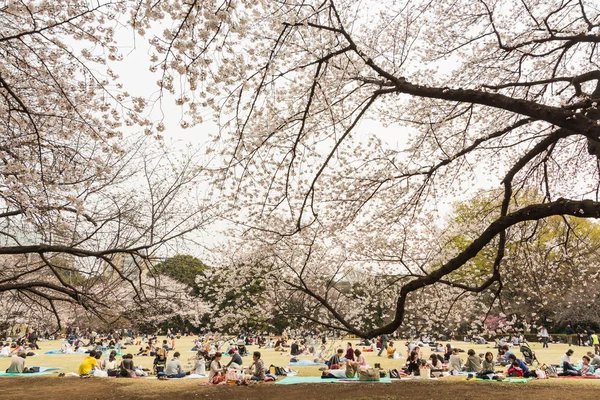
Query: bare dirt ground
point(50, 388)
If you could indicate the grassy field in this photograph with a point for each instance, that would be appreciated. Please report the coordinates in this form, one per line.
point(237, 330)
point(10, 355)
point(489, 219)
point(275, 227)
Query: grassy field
point(50, 387)
point(70, 362)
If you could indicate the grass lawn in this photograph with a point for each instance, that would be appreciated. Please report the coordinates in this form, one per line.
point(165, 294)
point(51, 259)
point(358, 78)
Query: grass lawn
point(70, 362)
point(50, 387)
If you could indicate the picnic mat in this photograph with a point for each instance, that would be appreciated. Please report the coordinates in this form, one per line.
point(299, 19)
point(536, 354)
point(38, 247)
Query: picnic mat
point(293, 380)
point(29, 374)
point(578, 377)
point(60, 352)
point(305, 363)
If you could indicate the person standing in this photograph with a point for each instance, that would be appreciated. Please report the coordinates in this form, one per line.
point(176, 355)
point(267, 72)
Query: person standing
point(384, 343)
point(569, 332)
point(579, 331)
point(545, 337)
point(595, 342)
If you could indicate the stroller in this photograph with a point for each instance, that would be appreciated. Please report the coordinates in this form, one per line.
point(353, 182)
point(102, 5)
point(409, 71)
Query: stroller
point(160, 363)
point(528, 354)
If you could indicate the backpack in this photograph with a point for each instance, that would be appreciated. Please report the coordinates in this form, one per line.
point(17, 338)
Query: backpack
point(280, 371)
point(273, 370)
point(394, 374)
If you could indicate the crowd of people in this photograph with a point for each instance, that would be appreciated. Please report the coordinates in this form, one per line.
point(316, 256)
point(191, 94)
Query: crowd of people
point(105, 354)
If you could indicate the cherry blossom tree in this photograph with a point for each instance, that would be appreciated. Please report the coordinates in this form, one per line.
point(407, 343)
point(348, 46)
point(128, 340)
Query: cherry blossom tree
point(504, 93)
point(89, 196)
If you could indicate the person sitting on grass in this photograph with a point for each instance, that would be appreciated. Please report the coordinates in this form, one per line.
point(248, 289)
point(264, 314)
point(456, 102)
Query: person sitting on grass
point(412, 365)
point(349, 352)
point(88, 364)
point(17, 364)
point(391, 350)
point(257, 367)
point(174, 368)
point(216, 369)
point(567, 364)
point(111, 363)
point(5, 352)
point(236, 361)
point(473, 363)
point(515, 370)
point(524, 368)
point(436, 362)
point(127, 367)
point(585, 367)
point(488, 364)
point(595, 359)
point(334, 362)
point(319, 356)
point(455, 362)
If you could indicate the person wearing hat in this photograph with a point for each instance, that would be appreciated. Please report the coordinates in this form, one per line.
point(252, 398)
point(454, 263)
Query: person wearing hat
point(236, 360)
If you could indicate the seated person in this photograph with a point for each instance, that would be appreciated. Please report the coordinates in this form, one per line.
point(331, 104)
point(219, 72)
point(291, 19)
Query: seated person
point(216, 369)
point(488, 364)
point(359, 364)
point(236, 361)
point(320, 355)
point(5, 352)
point(335, 360)
point(295, 350)
point(455, 362)
point(17, 364)
point(111, 363)
point(567, 365)
point(390, 350)
point(436, 362)
point(127, 368)
point(88, 364)
point(524, 368)
point(515, 370)
point(174, 368)
point(585, 367)
point(349, 352)
point(473, 363)
point(595, 359)
point(412, 365)
point(257, 367)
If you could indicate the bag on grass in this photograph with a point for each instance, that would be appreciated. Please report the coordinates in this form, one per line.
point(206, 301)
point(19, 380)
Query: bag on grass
point(394, 374)
point(369, 374)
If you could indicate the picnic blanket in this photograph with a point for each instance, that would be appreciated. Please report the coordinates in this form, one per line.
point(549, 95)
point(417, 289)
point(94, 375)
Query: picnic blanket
point(81, 351)
point(305, 363)
point(43, 371)
point(579, 377)
point(294, 380)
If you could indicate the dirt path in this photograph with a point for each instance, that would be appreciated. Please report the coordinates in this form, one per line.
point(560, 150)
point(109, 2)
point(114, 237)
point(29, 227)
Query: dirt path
point(53, 388)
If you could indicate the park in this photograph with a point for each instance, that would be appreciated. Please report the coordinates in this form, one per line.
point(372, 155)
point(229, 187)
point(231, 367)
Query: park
point(249, 171)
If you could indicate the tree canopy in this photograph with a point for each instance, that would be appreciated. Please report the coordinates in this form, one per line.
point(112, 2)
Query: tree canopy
point(502, 94)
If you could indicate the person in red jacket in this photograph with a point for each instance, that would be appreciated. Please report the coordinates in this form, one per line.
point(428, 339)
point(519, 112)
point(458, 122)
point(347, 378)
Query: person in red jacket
point(349, 352)
point(515, 370)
